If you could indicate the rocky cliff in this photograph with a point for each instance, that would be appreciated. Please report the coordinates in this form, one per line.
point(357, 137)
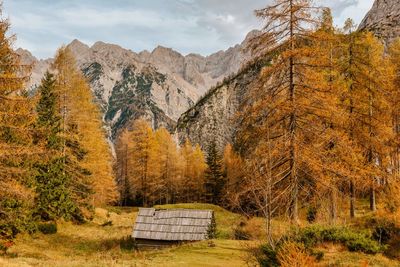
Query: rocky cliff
point(383, 19)
point(214, 117)
point(158, 85)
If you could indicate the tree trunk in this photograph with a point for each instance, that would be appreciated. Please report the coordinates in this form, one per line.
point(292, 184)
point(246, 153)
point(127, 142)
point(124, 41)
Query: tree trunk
point(352, 200)
point(351, 108)
point(270, 239)
point(333, 209)
point(372, 199)
point(292, 124)
point(294, 210)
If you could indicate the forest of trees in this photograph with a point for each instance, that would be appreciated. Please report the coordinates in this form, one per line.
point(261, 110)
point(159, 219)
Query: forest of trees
point(153, 169)
point(319, 130)
point(55, 162)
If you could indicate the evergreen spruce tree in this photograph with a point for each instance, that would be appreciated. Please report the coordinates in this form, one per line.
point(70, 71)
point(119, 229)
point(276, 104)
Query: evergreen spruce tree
point(214, 178)
point(52, 180)
point(49, 118)
point(53, 198)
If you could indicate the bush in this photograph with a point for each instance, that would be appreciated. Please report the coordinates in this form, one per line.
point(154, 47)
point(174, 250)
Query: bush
point(286, 253)
point(354, 241)
point(212, 229)
point(298, 246)
point(295, 254)
point(384, 229)
point(128, 243)
point(240, 234)
point(267, 257)
point(16, 217)
point(48, 228)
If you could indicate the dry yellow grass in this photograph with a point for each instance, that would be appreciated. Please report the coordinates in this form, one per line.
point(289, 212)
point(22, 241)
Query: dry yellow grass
point(92, 245)
point(294, 255)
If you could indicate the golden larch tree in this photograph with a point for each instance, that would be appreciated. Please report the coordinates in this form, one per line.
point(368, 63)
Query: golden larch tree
point(17, 150)
point(141, 163)
point(168, 166)
point(81, 118)
point(289, 106)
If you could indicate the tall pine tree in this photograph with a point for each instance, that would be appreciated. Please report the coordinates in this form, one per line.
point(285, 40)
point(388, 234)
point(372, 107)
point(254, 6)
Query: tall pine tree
point(214, 178)
point(53, 183)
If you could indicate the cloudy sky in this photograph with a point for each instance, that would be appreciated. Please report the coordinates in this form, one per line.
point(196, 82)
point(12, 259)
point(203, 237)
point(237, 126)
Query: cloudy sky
point(199, 26)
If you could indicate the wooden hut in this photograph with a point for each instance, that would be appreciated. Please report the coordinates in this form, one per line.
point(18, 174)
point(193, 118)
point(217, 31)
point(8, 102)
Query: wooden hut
point(164, 227)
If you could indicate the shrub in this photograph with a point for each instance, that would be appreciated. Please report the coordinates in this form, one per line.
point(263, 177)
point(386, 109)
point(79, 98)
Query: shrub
point(267, 256)
point(241, 234)
point(15, 217)
point(287, 253)
point(354, 241)
point(293, 254)
point(297, 246)
point(48, 228)
point(212, 229)
point(386, 231)
point(383, 229)
point(128, 243)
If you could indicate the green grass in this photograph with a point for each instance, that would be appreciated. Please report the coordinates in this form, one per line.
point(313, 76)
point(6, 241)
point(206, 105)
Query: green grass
point(225, 252)
point(94, 245)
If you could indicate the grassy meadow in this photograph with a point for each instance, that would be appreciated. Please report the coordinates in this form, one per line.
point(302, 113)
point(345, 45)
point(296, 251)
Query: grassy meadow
point(102, 243)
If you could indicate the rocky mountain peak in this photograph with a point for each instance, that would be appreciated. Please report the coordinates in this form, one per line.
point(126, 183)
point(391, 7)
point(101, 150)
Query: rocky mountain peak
point(383, 19)
point(167, 60)
point(165, 50)
point(251, 35)
point(159, 85)
point(26, 56)
point(99, 45)
point(144, 55)
point(78, 48)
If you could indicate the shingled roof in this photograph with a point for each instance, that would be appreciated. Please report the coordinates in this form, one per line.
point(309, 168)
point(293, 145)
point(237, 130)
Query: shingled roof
point(173, 224)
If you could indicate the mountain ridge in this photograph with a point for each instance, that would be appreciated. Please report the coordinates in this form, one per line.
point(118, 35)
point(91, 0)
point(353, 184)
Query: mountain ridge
point(159, 85)
point(383, 19)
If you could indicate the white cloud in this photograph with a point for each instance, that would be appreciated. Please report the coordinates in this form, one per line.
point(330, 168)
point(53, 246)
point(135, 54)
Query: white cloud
point(199, 26)
point(357, 11)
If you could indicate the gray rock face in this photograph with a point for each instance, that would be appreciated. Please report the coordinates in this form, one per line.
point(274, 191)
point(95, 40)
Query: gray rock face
point(213, 118)
point(158, 85)
point(383, 19)
point(39, 67)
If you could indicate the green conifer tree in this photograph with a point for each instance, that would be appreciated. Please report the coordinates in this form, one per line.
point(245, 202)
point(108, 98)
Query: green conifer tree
point(49, 118)
point(214, 178)
point(53, 183)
